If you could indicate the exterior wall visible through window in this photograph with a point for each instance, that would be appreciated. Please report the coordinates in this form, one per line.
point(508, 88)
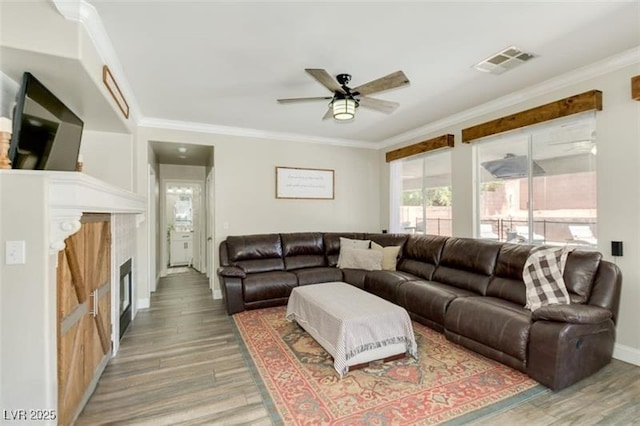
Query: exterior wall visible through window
point(538, 185)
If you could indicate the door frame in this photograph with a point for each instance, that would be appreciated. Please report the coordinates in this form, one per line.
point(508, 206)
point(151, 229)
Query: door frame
point(152, 202)
point(210, 243)
point(164, 184)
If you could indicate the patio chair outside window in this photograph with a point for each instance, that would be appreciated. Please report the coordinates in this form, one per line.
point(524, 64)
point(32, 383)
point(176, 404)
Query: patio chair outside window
point(523, 232)
point(486, 232)
point(583, 233)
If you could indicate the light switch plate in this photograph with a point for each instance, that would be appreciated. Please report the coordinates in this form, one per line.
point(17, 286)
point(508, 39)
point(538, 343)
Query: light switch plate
point(14, 253)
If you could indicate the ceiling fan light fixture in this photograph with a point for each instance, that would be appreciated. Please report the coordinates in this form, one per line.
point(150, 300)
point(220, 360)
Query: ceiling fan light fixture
point(344, 109)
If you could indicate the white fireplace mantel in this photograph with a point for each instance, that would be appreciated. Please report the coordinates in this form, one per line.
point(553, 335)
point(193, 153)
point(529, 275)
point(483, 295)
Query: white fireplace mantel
point(73, 193)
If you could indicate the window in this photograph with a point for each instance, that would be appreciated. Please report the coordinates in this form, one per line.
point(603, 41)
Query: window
point(421, 194)
point(180, 200)
point(538, 185)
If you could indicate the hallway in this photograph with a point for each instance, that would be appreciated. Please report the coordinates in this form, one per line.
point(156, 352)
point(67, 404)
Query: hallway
point(179, 363)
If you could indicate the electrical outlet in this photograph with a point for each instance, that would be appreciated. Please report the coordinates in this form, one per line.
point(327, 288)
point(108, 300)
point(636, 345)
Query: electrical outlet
point(15, 253)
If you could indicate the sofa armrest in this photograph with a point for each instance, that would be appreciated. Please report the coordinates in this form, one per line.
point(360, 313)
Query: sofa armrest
point(561, 353)
point(232, 271)
point(573, 314)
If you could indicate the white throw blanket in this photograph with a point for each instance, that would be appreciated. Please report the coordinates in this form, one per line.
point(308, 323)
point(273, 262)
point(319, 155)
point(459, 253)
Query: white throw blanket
point(348, 321)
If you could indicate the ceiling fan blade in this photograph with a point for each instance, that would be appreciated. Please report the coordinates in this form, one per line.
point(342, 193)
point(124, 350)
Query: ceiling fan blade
point(324, 78)
point(387, 82)
point(378, 104)
point(317, 98)
point(328, 114)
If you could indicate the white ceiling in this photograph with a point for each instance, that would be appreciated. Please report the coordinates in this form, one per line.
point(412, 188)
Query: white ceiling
point(182, 154)
point(226, 63)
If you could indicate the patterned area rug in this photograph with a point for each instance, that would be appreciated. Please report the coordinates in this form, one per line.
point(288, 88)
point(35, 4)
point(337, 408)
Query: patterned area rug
point(447, 384)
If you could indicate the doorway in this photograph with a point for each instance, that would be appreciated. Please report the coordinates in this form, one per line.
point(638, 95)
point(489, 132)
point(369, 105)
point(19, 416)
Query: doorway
point(183, 226)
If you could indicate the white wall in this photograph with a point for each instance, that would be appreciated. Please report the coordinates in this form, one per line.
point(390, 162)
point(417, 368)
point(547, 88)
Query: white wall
point(36, 25)
point(27, 298)
point(618, 178)
point(123, 248)
point(244, 174)
point(177, 172)
point(108, 157)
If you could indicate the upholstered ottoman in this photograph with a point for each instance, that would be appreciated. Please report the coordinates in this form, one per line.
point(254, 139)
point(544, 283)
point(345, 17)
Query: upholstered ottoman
point(354, 326)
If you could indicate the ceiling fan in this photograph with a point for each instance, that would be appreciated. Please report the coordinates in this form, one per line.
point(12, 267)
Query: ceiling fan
point(345, 100)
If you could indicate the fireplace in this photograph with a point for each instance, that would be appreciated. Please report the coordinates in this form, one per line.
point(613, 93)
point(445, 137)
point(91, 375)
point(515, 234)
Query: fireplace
point(125, 296)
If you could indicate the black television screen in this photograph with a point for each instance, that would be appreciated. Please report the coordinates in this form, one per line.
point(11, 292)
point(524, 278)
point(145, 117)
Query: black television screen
point(46, 134)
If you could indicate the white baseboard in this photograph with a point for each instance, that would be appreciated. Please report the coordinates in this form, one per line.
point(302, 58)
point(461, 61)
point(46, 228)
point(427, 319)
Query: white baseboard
point(626, 354)
point(143, 303)
point(217, 294)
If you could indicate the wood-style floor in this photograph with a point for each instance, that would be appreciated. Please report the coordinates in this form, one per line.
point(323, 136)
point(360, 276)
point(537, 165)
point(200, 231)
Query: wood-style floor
point(180, 363)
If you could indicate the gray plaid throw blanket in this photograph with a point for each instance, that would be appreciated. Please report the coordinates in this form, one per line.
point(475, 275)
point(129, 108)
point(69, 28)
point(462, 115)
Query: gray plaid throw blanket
point(543, 279)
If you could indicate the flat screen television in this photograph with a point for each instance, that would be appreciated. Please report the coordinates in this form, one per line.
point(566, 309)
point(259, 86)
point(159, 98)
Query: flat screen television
point(46, 134)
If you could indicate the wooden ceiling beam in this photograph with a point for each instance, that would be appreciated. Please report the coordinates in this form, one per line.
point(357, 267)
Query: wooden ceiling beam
point(635, 87)
point(420, 147)
point(587, 101)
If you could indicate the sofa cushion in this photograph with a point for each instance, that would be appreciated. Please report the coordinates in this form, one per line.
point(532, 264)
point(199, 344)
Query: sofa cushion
point(386, 240)
point(385, 283)
point(467, 263)
point(355, 277)
point(507, 280)
point(302, 243)
point(260, 265)
point(332, 244)
point(268, 285)
point(496, 323)
point(429, 299)
point(303, 250)
point(421, 254)
point(575, 314)
point(579, 274)
point(255, 253)
point(253, 247)
point(389, 255)
point(318, 275)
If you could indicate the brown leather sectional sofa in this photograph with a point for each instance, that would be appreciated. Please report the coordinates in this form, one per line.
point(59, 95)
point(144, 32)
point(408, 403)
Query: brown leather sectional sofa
point(470, 290)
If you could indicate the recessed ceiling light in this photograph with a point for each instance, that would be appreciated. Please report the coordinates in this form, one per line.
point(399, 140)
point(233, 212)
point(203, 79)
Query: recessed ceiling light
point(182, 149)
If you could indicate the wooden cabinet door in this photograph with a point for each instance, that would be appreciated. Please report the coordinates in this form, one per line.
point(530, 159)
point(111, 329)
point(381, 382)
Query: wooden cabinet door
point(97, 266)
point(84, 332)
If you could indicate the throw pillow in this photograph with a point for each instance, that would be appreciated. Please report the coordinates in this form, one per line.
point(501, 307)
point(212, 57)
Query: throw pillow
point(543, 277)
point(349, 243)
point(389, 255)
point(353, 258)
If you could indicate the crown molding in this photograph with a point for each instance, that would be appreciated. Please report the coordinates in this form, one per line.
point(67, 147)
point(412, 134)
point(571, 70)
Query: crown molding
point(605, 66)
point(87, 15)
point(160, 123)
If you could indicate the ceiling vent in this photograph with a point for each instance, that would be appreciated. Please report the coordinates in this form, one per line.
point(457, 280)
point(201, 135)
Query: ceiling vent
point(509, 58)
